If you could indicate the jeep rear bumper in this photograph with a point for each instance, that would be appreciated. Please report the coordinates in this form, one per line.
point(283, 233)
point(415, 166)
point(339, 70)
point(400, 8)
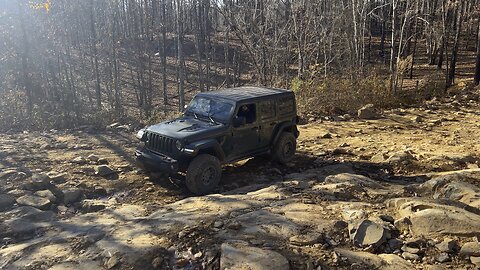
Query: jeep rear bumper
point(154, 162)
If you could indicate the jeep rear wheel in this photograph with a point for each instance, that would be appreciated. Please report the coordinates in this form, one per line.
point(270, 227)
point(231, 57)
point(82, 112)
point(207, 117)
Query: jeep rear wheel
point(203, 174)
point(284, 149)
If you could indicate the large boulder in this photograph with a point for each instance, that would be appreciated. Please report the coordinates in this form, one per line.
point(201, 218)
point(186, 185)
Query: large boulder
point(470, 249)
point(47, 194)
point(239, 255)
point(475, 260)
point(433, 219)
point(450, 161)
point(104, 170)
point(447, 245)
point(367, 112)
point(40, 181)
point(401, 158)
point(452, 187)
point(369, 233)
point(72, 195)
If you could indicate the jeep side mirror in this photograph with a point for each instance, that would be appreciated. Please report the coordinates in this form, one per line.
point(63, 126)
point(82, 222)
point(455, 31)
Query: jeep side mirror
point(239, 121)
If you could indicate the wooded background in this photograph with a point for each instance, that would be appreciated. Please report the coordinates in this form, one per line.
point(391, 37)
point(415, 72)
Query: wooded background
point(65, 63)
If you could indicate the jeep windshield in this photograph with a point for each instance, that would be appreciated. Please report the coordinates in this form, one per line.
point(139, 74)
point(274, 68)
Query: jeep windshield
point(209, 108)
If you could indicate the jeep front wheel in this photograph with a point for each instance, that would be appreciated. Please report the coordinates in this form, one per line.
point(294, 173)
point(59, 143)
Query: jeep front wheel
point(203, 174)
point(285, 148)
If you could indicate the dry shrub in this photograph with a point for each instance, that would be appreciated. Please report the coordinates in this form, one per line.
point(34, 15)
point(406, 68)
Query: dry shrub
point(12, 104)
point(430, 86)
point(58, 115)
point(346, 95)
point(46, 115)
point(341, 94)
point(160, 116)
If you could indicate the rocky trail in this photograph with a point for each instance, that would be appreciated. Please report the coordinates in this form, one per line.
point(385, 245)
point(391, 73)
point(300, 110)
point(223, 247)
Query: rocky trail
point(401, 191)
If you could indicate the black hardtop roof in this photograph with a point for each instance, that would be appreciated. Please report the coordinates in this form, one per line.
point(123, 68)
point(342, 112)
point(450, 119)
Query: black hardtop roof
point(245, 93)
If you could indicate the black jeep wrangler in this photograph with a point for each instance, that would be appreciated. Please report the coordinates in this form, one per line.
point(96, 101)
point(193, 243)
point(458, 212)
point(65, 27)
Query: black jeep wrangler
point(221, 127)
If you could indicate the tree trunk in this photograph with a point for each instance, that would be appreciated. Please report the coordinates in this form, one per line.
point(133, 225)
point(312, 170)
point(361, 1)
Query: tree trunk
point(98, 90)
point(477, 68)
point(456, 42)
point(27, 84)
point(384, 32)
point(164, 55)
point(392, 45)
point(198, 47)
point(180, 57)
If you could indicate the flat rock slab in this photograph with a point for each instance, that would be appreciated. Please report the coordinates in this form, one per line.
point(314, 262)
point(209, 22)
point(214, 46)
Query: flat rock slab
point(354, 179)
point(238, 255)
point(6, 202)
point(267, 224)
point(34, 201)
point(31, 213)
point(82, 265)
point(37, 257)
point(372, 261)
point(7, 173)
point(305, 214)
point(26, 220)
point(305, 239)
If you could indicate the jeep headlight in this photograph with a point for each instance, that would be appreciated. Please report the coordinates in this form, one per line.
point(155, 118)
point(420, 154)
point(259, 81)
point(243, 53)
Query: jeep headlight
point(140, 134)
point(179, 145)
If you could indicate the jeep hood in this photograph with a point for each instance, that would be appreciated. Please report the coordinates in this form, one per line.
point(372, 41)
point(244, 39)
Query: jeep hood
point(187, 128)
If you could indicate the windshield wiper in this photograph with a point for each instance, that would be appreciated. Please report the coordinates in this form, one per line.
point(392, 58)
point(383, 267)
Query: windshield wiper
point(191, 112)
point(211, 119)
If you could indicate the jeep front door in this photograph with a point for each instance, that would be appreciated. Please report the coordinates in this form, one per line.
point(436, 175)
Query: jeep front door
point(246, 136)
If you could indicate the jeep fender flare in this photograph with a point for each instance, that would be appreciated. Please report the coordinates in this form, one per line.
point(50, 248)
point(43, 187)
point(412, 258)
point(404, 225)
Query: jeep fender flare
point(285, 126)
point(211, 146)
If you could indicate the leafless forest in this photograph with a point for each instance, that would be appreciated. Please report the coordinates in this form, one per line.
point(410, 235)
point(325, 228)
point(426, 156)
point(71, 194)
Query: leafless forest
point(69, 63)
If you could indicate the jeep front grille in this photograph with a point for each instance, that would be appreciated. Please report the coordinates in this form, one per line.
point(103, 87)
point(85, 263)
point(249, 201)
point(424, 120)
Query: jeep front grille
point(159, 143)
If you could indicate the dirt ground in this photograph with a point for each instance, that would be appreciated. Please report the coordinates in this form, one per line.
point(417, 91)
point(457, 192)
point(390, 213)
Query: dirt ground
point(341, 204)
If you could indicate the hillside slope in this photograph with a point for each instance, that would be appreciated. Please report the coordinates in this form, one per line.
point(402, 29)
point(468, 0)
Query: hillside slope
point(398, 192)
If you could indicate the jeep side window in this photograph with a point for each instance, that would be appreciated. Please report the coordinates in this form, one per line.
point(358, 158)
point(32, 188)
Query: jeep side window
point(266, 109)
point(249, 112)
point(286, 106)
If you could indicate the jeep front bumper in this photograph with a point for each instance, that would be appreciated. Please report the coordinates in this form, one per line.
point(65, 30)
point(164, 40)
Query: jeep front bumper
point(154, 162)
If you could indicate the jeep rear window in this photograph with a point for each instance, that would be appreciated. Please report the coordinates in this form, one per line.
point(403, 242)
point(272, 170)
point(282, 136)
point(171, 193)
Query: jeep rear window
point(205, 107)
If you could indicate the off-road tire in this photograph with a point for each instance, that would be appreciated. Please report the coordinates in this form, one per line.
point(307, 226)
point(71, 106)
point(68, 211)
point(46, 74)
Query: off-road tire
point(284, 150)
point(203, 174)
